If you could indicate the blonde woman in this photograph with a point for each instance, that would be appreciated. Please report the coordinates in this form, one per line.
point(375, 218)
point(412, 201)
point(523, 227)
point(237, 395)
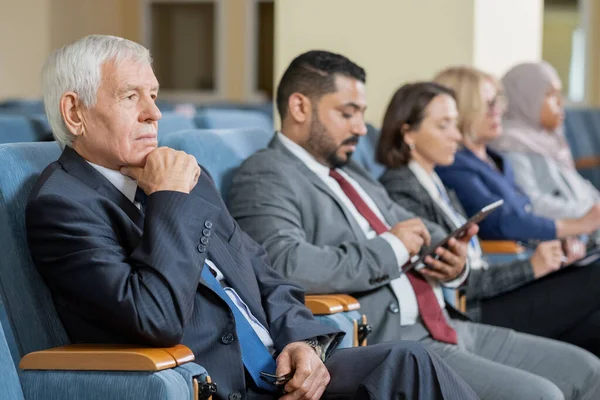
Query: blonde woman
point(479, 176)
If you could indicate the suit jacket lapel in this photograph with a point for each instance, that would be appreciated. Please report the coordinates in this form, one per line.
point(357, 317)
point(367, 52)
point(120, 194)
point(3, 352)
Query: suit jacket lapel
point(75, 165)
point(319, 184)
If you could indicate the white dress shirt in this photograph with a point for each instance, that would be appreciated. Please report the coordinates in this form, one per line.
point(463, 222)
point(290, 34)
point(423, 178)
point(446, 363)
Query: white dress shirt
point(433, 184)
point(401, 286)
point(128, 187)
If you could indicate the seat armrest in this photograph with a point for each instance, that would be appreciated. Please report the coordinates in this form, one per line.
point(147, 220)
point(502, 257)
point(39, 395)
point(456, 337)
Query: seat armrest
point(102, 357)
point(323, 304)
point(501, 247)
point(348, 302)
point(587, 162)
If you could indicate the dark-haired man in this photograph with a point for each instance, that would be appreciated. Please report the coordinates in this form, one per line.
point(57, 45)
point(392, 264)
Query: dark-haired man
point(331, 228)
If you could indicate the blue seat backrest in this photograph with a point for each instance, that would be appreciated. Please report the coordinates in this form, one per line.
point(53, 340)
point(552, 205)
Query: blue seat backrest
point(214, 118)
point(15, 128)
point(25, 107)
point(582, 130)
point(219, 151)
point(10, 386)
point(28, 303)
point(173, 122)
point(365, 152)
point(583, 137)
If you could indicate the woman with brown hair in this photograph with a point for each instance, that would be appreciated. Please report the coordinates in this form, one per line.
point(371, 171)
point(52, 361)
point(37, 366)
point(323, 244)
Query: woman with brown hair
point(420, 133)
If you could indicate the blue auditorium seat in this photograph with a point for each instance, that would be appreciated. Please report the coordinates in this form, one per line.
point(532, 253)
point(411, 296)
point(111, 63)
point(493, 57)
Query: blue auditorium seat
point(173, 122)
point(215, 118)
point(219, 151)
point(24, 107)
point(10, 386)
point(31, 314)
point(15, 128)
point(582, 130)
point(365, 152)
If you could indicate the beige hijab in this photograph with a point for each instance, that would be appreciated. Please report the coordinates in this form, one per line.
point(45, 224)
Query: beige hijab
point(526, 86)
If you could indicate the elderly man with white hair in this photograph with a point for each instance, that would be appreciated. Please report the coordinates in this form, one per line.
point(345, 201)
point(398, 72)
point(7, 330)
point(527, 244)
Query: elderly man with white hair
point(138, 247)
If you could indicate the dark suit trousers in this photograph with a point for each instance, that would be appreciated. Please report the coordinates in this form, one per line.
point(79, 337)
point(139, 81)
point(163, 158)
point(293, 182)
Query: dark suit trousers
point(391, 371)
point(563, 306)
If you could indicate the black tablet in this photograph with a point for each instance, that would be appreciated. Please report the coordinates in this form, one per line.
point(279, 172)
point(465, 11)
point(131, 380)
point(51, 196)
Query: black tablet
point(457, 233)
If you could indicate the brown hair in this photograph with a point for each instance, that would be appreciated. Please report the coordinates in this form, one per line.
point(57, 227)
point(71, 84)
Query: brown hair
point(406, 108)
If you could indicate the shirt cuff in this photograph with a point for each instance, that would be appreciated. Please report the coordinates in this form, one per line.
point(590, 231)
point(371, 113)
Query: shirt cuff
point(398, 247)
point(453, 284)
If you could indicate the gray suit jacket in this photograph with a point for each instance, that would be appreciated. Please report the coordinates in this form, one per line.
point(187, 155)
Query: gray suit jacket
point(405, 189)
point(313, 240)
point(554, 192)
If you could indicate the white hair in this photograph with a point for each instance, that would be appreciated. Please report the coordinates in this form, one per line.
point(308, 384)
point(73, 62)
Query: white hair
point(77, 67)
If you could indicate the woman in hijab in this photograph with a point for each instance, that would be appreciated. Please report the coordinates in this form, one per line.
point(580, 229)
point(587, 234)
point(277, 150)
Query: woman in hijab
point(534, 143)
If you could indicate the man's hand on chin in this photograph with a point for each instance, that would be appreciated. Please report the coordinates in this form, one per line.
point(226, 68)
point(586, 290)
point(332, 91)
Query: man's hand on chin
point(310, 374)
point(166, 169)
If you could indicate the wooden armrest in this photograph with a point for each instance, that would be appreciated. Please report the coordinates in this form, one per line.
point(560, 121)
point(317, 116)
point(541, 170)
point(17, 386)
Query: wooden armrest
point(101, 357)
point(348, 302)
point(323, 304)
point(501, 246)
point(587, 162)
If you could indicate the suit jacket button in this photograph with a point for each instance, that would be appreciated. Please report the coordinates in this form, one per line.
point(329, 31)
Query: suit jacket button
point(201, 248)
point(386, 277)
point(393, 307)
point(208, 224)
point(235, 396)
point(227, 338)
point(206, 232)
point(372, 281)
point(204, 240)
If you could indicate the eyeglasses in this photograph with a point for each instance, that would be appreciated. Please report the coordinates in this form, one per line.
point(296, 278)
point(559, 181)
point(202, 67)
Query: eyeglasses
point(497, 104)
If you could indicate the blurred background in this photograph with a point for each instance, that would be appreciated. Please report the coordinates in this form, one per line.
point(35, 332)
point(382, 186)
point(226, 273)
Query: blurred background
point(215, 52)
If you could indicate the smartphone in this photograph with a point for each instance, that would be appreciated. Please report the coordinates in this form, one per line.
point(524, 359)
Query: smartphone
point(457, 233)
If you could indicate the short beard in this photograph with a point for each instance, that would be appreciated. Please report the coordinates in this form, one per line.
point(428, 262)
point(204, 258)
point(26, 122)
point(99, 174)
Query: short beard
point(319, 142)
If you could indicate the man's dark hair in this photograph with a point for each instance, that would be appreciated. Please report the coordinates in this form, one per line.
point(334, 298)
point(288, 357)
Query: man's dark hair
point(313, 75)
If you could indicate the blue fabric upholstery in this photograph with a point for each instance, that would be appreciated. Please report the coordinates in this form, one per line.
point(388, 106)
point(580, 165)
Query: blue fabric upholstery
point(16, 128)
point(24, 107)
point(212, 118)
point(365, 152)
point(173, 122)
point(582, 130)
point(101, 385)
point(343, 321)
point(34, 321)
point(10, 387)
point(219, 151)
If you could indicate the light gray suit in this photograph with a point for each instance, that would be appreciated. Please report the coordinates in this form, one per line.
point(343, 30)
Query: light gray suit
point(554, 192)
point(313, 240)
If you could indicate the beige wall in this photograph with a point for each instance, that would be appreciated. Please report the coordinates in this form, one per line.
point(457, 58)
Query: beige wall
point(507, 32)
point(591, 16)
point(44, 25)
point(24, 46)
point(559, 25)
point(395, 41)
point(72, 19)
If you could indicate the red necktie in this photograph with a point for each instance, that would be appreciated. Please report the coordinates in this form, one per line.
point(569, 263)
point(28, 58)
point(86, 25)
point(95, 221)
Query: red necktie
point(429, 308)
